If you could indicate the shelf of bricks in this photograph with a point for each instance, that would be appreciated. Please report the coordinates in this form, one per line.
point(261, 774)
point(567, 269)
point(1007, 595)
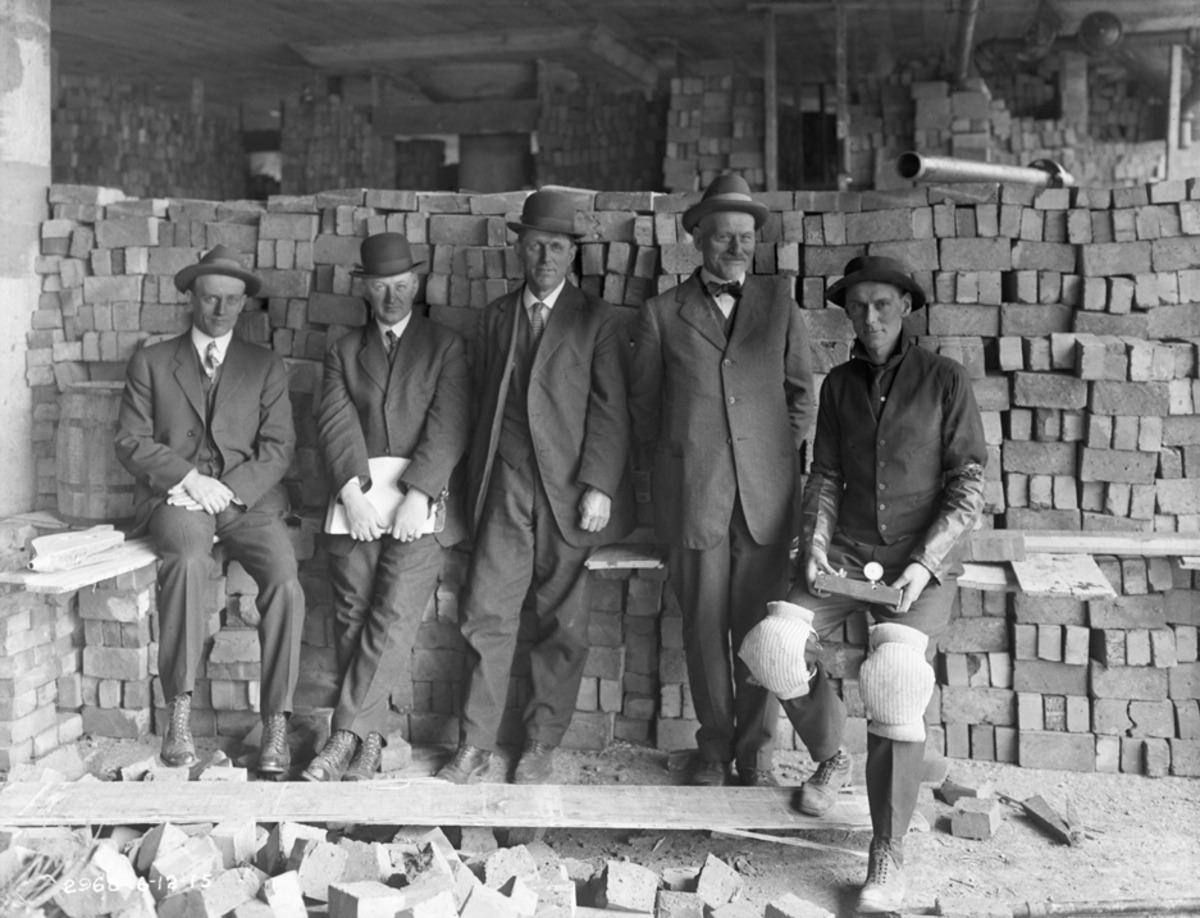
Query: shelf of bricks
point(1076, 312)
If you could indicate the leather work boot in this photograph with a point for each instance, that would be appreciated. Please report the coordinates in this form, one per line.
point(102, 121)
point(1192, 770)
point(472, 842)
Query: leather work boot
point(884, 889)
point(469, 762)
point(816, 796)
point(707, 773)
point(178, 747)
point(276, 756)
point(331, 762)
point(366, 761)
point(536, 765)
point(756, 777)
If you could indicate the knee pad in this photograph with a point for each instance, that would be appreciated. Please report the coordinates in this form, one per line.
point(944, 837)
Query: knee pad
point(774, 650)
point(896, 682)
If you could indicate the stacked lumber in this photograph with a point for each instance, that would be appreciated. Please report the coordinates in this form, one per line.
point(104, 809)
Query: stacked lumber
point(119, 133)
point(714, 125)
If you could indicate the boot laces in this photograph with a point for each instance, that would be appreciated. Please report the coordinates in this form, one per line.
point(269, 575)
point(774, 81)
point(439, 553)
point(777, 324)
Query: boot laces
point(828, 769)
point(181, 713)
point(881, 863)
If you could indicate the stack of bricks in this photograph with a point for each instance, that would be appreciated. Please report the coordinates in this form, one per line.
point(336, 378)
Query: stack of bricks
point(591, 137)
point(331, 145)
point(714, 125)
point(1071, 310)
point(957, 122)
point(118, 133)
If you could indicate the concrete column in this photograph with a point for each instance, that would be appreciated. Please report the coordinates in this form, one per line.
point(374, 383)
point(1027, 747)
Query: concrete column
point(24, 180)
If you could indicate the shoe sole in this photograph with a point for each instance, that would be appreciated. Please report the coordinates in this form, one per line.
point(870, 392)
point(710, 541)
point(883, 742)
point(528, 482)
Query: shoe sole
point(878, 908)
point(273, 769)
point(308, 776)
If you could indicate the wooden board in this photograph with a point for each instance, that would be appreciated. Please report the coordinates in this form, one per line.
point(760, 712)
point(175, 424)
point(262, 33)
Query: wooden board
point(424, 801)
point(987, 577)
point(1062, 575)
point(130, 556)
point(627, 557)
point(860, 589)
point(1190, 563)
point(1145, 544)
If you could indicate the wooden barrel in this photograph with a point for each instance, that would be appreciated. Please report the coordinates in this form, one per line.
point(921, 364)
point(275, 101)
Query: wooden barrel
point(93, 487)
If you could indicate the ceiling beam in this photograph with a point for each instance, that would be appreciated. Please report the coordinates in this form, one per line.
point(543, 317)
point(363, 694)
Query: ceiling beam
point(555, 42)
point(494, 116)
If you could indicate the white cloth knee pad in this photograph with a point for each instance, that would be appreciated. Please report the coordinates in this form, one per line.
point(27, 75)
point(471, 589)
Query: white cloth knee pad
point(896, 682)
point(774, 650)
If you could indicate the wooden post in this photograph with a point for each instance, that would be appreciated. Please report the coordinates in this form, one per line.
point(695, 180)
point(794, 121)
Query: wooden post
point(770, 104)
point(1174, 100)
point(843, 97)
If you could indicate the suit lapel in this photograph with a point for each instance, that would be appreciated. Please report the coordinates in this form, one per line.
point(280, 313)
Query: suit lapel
point(748, 313)
point(187, 373)
point(371, 355)
point(559, 324)
point(407, 348)
point(694, 309)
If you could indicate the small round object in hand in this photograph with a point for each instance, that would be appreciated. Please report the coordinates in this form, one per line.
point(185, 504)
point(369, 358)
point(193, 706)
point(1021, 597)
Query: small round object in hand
point(873, 571)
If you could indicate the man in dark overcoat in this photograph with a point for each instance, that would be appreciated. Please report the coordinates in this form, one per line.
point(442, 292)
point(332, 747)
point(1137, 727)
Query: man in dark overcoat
point(396, 388)
point(722, 399)
point(205, 428)
point(897, 484)
point(547, 482)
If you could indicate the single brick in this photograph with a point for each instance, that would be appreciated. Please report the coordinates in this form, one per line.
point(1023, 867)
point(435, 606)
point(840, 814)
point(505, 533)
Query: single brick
point(975, 817)
point(627, 887)
point(1056, 751)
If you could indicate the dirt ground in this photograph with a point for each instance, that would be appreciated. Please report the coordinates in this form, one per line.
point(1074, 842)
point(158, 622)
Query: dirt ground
point(1142, 835)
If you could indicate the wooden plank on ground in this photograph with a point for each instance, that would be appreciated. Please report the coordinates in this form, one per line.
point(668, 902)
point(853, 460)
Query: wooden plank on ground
point(130, 556)
point(1062, 575)
point(425, 802)
point(1145, 544)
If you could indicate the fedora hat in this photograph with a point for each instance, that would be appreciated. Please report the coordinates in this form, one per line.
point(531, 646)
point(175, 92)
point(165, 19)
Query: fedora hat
point(547, 212)
point(384, 255)
point(727, 192)
point(878, 268)
point(220, 260)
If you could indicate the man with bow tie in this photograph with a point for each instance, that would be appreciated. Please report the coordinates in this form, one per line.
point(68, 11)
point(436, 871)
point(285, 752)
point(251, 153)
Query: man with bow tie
point(398, 388)
point(722, 398)
point(205, 428)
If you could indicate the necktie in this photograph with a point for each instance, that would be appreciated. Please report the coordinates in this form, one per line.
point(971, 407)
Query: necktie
point(731, 288)
point(389, 340)
point(212, 359)
point(537, 320)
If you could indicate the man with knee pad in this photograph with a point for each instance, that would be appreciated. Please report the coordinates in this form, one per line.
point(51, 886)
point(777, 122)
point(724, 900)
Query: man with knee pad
point(897, 479)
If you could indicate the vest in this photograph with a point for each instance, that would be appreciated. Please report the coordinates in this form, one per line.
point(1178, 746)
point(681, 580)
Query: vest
point(516, 444)
point(209, 459)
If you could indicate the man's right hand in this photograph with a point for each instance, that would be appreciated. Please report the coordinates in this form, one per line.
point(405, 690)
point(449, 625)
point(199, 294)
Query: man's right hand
point(362, 519)
point(210, 494)
point(817, 563)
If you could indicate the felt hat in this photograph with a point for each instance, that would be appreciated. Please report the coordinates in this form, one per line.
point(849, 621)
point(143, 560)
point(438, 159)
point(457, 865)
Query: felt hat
point(219, 260)
point(547, 212)
point(384, 255)
point(726, 193)
point(878, 268)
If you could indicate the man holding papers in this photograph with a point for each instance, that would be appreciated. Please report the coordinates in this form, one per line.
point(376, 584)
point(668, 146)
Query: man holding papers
point(393, 423)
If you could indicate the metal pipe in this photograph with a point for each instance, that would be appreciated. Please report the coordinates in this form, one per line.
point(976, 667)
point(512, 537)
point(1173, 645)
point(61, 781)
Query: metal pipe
point(1126, 907)
point(1045, 173)
point(967, 16)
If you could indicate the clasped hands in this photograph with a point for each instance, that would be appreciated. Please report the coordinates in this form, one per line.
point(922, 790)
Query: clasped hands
point(201, 492)
point(365, 524)
point(912, 581)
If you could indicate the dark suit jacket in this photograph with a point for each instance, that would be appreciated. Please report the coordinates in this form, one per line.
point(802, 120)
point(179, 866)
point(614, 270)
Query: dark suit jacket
point(716, 418)
point(160, 428)
point(419, 407)
point(578, 417)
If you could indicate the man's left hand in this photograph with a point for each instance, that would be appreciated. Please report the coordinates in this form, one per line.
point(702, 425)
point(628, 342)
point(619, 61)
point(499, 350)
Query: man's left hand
point(411, 516)
point(594, 509)
point(912, 582)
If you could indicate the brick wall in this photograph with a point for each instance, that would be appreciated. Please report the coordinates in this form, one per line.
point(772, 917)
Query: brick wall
point(333, 145)
point(1077, 314)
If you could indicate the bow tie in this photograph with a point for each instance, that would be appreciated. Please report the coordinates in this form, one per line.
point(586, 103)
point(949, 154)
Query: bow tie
point(732, 288)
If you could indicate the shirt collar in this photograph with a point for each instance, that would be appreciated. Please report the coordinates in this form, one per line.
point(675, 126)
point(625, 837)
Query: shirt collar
point(707, 277)
point(859, 352)
point(200, 342)
point(397, 329)
point(529, 298)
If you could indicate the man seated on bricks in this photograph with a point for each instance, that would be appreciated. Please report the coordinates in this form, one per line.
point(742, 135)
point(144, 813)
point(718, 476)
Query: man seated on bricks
point(396, 388)
point(205, 428)
point(897, 482)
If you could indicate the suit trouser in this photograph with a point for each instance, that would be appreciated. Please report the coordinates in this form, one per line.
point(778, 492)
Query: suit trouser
point(380, 591)
point(894, 768)
point(258, 540)
point(723, 592)
point(518, 541)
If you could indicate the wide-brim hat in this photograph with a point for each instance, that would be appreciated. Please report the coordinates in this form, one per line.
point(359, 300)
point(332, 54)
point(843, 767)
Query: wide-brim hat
point(880, 269)
point(384, 255)
point(547, 212)
point(220, 260)
point(726, 193)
